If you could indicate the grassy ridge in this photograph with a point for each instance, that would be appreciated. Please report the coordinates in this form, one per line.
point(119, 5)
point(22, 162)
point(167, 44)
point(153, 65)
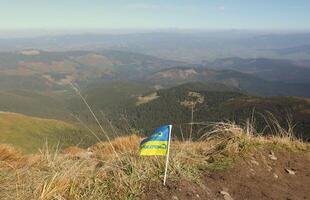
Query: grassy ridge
point(99, 173)
point(30, 133)
point(47, 105)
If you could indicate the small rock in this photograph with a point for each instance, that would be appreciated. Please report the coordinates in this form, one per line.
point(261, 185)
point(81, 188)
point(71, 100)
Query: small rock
point(289, 171)
point(226, 195)
point(189, 194)
point(197, 195)
point(175, 198)
point(275, 175)
point(272, 156)
point(252, 171)
point(269, 168)
point(254, 162)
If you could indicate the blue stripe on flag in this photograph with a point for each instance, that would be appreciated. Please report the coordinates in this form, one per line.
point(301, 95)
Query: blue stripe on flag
point(160, 134)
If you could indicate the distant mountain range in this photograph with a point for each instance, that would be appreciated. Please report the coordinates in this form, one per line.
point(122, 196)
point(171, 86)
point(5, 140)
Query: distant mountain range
point(268, 69)
point(139, 92)
point(246, 82)
point(303, 49)
point(190, 46)
point(41, 70)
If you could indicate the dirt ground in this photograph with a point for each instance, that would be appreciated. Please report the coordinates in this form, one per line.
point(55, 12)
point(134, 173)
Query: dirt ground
point(262, 175)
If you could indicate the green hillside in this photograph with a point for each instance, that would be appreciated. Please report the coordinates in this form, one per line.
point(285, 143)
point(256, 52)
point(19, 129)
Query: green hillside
point(173, 105)
point(245, 82)
point(138, 105)
point(46, 105)
point(142, 107)
point(31, 133)
point(110, 98)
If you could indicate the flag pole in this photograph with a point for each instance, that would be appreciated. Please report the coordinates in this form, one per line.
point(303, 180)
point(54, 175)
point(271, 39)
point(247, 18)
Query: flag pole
point(167, 156)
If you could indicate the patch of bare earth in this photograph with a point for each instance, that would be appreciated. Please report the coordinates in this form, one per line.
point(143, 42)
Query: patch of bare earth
point(262, 175)
point(146, 99)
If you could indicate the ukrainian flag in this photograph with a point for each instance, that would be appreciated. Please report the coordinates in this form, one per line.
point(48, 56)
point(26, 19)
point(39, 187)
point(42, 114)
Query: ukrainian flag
point(157, 143)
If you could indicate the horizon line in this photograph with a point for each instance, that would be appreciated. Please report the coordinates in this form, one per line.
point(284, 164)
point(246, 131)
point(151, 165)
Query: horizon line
point(41, 32)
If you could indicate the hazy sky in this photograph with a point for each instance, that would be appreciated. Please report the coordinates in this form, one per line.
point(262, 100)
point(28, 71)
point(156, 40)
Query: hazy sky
point(145, 14)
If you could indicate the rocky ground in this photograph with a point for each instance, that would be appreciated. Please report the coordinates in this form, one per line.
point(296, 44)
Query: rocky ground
point(262, 175)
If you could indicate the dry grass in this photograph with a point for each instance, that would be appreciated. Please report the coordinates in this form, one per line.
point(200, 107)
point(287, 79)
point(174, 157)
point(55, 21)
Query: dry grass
point(97, 173)
point(8, 153)
point(74, 151)
point(121, 145)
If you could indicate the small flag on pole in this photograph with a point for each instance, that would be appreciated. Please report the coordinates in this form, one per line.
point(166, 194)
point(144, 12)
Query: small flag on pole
point(158, 144)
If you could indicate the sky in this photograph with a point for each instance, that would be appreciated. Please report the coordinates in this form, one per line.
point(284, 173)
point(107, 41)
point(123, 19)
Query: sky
point(155, 14)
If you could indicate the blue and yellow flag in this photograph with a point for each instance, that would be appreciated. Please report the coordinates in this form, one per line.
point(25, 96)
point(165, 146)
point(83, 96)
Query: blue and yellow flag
point(157, 143)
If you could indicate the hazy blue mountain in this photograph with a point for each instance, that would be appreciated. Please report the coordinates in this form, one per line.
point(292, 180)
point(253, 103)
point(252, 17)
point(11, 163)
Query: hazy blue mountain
point(303, 49)
point(192, 46)
point(280, 40)
point(245, 82)
point(42, 70)
point(268, 69)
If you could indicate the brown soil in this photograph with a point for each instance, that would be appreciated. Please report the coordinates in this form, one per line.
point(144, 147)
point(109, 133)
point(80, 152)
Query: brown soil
point(255, 177)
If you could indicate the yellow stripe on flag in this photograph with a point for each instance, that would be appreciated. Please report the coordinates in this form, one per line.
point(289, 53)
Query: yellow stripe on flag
point(154, 148)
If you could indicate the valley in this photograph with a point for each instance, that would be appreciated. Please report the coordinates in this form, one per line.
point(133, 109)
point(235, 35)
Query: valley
point(132, 91)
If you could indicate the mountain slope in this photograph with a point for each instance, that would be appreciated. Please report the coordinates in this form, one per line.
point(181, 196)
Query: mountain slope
point(135, 105)
point(42, 70)
point(174, 105)
point(109, 98)
point(267, 69)
point(245, 82)
point(31, 133)
point(39, 104)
